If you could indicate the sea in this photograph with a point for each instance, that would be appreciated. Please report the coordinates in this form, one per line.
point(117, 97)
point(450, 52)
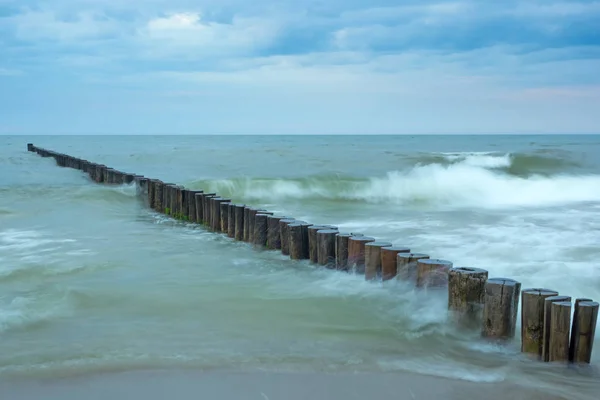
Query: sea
point(92, 281)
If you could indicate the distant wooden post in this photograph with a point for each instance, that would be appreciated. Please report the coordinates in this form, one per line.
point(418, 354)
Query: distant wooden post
point(548, 324)
point(239, 221)
point(326, 253)
point(560, 324)
point(466, 294)
point(198, 198)
point(284, 235)
point(260, 230)
point(30, 147)
point(247, 223)
point(407, 265)
point(192, 204)
point(298, 240)
point(225, 217)
point(252, 222)
point(356, 253)
point(216, 212)
point(389, 261)
point(313, 245)
point(532, 319)
point(373, 259)
point(231, 220)
point(432, 272)
point(341, 250)
point(583, 333)
point(501, 305)
point(206, 210)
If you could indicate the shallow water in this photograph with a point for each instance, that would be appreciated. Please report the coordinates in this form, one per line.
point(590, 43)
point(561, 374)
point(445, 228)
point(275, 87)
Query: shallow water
point(91, 280)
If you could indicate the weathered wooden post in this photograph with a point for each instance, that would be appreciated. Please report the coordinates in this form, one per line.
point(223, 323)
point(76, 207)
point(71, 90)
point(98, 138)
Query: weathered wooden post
point(326, 239)
point(560, 325)
point(389, 261)
point(118, 178)
point(373, 259)
point(225, 217)
point(216, 209)
point(284, 235)
point(158, 195)
point(192, 204)
point(212, 210)
point(532, 319)
point(407, 265)
point(341, 250)
point(547, 328)
point(356, 253)
point(585, 319)
point(432, 272)
point(313, 245)
point(260, 230)
point(128, 179)
point(273, 232)
point(231, 220)
point(30, 147)
point(298, 241)
point(500, 308)
point(206, 210)
point(246, 220)
point(198, 199)
point(466, 294)
point(252, 222)
point(239, 221)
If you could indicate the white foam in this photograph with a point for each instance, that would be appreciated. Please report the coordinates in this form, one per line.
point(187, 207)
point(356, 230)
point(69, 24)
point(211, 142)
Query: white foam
point(480, 159)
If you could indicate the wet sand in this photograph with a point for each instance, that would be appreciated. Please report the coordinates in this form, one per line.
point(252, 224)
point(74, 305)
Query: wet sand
point(177, 384)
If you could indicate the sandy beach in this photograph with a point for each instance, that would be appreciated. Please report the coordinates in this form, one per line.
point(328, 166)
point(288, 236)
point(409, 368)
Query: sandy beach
point(185, 384)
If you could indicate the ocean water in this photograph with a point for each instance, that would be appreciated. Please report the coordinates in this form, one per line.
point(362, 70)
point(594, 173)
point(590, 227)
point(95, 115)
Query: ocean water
point(93, 281)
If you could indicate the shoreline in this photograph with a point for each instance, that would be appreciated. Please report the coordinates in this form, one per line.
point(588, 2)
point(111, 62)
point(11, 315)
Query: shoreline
point(179, 384)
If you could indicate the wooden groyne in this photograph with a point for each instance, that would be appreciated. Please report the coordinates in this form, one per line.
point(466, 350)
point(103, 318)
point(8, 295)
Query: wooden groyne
point(554, 327)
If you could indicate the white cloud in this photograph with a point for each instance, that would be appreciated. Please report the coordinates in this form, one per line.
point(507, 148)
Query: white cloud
point(188, 34)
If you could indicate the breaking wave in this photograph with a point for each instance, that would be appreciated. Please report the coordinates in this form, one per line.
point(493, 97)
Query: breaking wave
point(441, 179)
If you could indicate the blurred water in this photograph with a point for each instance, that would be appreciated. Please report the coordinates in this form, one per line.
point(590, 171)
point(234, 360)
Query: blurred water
point(90, 280)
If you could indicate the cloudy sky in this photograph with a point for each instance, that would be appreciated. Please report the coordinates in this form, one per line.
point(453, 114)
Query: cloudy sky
point(299, 66)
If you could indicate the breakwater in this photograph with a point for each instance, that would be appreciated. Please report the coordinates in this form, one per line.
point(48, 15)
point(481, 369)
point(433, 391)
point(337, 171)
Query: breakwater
point(476, 300)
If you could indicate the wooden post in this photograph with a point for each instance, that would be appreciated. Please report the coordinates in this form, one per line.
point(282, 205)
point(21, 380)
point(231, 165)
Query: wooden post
point(252, 222)
point(389, 261)
point(298, 242)
point(239, 221)
point(273, 232)
point(313, 245)
point(373, 259)
point(225, 217)
point(231, 220)
point(260, 230)
point(585, 319)
point(341, 250)
point(216, 212)
point(192, 205)
point(532, 319)
point(247, 223)
point(206, 210)
point(158, 196)
point(548, 323)
point(432, 272)
point(284, 235)
point(500, 308)
point(326, 253)
point(198, 201)
point(407, 265)
point(466, 294)
point(30, 147)
point(356, 253)
point(560, 324)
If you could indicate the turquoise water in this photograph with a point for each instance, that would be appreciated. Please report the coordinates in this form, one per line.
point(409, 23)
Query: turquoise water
point(91, 280)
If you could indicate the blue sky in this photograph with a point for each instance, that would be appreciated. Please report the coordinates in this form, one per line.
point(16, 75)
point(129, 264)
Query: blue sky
point(304, 66)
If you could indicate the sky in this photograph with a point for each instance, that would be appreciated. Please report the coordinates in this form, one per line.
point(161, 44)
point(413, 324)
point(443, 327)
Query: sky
point(299, 66)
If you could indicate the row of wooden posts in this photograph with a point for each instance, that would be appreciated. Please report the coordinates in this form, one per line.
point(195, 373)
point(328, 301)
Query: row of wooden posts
point(474, 300)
